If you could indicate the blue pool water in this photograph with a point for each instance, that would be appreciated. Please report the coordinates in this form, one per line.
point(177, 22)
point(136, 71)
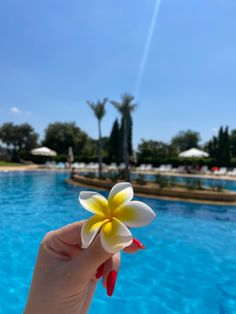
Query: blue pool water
point(189, 265)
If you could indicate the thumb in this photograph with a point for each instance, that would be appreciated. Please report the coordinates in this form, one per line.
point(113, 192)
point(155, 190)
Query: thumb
point(94, 256)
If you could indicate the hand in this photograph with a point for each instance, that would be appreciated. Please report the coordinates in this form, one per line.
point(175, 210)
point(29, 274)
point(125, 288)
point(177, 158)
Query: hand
point(66, 275)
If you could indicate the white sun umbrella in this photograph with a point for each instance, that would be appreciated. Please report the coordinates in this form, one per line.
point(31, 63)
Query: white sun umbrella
point(193, 153)
point(43, 151)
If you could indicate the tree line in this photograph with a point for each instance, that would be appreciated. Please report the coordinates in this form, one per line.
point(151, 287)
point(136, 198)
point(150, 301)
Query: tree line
point(221, 149)
point(17, 141)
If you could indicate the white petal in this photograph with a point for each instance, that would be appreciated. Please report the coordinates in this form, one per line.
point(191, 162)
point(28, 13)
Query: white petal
point(115, 236)
point(134, 214)
point(94, 202)
point(90, 228)
point(119, 194)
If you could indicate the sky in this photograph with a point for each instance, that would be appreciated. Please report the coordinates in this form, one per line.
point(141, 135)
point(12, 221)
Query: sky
point(177, 57)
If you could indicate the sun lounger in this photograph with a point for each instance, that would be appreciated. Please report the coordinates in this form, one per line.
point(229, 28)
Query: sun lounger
point(222, 171)
point(112, 166)
point(60, 165)
point(232, 173)
point(204, 170)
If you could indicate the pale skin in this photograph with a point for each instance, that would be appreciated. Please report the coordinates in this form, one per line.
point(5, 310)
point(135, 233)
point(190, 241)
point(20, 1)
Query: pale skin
point(64, 278)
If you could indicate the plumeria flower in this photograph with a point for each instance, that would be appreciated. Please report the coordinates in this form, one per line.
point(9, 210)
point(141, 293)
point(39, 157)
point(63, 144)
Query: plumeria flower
point(113, 217)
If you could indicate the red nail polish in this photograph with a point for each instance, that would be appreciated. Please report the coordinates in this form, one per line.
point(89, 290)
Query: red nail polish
point(111, 281)
point(100, 271)
point(139, 244)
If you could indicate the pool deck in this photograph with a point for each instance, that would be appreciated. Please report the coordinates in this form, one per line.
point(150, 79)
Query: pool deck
point(29, 168)
point(190, 175)
point(199, 176)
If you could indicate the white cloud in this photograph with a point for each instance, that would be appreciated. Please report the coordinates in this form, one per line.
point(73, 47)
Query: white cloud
point(15, 110)
point(214, 130)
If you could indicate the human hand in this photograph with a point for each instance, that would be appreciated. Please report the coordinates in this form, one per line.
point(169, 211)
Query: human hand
point(66, 275)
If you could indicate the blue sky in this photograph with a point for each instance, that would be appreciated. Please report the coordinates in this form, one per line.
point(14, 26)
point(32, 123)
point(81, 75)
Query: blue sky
point(56, 54)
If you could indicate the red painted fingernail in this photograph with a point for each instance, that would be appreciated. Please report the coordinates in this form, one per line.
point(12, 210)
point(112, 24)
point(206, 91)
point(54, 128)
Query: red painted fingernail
point(139, 244)
point(111, 281)
point(100, 271)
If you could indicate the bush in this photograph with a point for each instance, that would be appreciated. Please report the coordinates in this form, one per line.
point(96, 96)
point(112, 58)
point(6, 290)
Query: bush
point(193, 184)
point(190, 184)
point(162, 181)
point(217, 186)
point(173, 182)
point(113, 176)
point(90, 175)
point(198, 184)
point(140, 179)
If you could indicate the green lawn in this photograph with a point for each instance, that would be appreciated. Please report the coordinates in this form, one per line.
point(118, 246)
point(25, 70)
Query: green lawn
point(9, 164)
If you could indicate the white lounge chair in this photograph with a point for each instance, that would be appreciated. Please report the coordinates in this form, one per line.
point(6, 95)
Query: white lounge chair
point(61, 165)
point(112, 166)
point(122, 166)
point(222, 171)
point(232, 173)
point(204, 170)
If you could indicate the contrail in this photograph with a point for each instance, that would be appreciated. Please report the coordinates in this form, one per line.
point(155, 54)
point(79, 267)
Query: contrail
point(146, 48)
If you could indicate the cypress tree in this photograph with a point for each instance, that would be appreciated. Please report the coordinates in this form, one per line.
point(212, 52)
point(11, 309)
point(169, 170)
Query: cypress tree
point(219, 147)
point(130, 135)
point(130, 128)
point(114, 142)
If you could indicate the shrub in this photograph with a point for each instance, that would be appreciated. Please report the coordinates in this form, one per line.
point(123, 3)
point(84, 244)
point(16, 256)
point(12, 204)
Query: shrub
point(113, 176)
point(140, 179)
point(193, 184)
point(90, 175)
point(162, 181)
point(217, 186)
point(190, 184)
point(198, 184)
point(173, 182)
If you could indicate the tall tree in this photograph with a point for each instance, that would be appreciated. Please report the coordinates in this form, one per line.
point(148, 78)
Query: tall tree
point(114, 142)
point(99, 112)
point(125, 108)
point(220, 147)
point(233, 143)
point(185, 140)
point(130, 133)
point(18, 138)
point(150, 150)
point(59, 136)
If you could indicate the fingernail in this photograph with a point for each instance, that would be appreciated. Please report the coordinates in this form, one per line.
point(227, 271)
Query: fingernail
point(100, 271)
point(111, 281)
point(138, 244)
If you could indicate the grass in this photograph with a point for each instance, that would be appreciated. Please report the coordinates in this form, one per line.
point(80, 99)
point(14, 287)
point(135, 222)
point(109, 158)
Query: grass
point(9, 164)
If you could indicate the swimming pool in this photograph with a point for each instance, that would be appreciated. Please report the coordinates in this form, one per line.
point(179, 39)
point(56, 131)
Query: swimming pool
point(189, 265)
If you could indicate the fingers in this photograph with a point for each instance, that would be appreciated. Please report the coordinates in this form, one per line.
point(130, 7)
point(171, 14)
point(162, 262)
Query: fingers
point(95, 255)
point(135, 246)
point(111, 269)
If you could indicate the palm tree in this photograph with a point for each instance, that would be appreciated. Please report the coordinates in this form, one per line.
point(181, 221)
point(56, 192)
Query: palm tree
point(125, 108)
point(99, 112)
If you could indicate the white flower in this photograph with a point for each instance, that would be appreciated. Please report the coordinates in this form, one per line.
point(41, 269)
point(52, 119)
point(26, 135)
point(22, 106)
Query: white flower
point(113, 217)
